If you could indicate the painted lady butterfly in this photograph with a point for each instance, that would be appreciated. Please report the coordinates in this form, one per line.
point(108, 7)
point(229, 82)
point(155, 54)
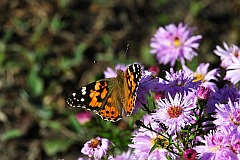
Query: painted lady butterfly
point(110, 98)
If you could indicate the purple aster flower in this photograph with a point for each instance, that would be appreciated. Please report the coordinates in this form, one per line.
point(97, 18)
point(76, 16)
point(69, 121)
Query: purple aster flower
point(147, 119)
point(190, 154)
point(221, 96)
point(179, 82)
point(174, 112)
point(227, 54)
point(217, 145)
point(228, 114)
point(147, 83)
point(174, 43)
point(143, 143)
point(235, 143)
point(203, 93)
point(233, 71)
point(96, 147)
point(202, 74)
point(124, 156)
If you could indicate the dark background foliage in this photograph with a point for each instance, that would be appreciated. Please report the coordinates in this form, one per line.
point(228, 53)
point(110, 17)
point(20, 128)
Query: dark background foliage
point(48, 49)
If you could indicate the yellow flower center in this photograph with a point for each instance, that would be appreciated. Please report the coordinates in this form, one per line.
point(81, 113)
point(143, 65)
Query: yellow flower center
point(176, 42)
point(198, 77)
point(174, 111)
point(160, 141)
point(94, 143)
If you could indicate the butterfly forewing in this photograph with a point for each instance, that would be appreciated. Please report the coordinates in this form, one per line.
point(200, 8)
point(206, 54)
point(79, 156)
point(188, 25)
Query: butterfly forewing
point(133, 75)
point(90, 96)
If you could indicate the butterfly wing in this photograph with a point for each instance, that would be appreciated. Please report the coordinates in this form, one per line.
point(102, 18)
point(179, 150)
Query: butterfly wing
point(97, 97)
point(133, 75)
point(111, 97)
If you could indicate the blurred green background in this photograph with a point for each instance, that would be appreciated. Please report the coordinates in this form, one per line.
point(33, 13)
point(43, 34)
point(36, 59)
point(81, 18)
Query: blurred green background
point(48, 50)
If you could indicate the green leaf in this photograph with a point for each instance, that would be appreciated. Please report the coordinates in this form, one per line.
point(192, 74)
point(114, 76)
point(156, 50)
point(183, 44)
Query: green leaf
point(192, 137)
point(148, 58)
point(54, 146)
point(56, 24)
point(52, 124)
point(75, 123)
point(79, 52)
point(35, 83)
point(184, 131)
point(11, 134)
point(2, 51)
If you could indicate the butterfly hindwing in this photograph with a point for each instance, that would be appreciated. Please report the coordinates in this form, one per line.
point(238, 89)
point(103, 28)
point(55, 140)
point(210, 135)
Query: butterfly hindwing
point(109, 111)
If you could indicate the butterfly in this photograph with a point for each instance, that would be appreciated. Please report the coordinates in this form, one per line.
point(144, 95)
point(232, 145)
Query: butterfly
point(110, 98)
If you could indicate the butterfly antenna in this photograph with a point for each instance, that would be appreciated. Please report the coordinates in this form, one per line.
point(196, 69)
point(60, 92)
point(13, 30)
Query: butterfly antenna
point(126, 51)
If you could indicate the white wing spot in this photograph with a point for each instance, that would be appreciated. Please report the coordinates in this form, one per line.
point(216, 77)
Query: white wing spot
point(82, 99)
point(83, 90)
point(74, 94)
point(133, 68)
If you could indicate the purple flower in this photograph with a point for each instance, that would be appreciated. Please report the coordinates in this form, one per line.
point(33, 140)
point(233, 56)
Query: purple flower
point(190, 154)
point(221, 96)
point(84, 158)
point(217, 145)
point(96, 147)
point(158, 95)
point(84, 117)
point(179, 82)
point(228, 114)
point(174, 43)
point(227, 54)
point(147, 83)
point(109, 72)
point(202, 74)
point(233, 71)
point(148, 120)
point(230, 58)
point(174, 112)
point(143, 143)
point(124, 156)
point(235, 143)
point(203, 93)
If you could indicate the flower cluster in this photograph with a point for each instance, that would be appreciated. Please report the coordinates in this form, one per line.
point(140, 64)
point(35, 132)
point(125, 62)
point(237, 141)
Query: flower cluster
point(193, 118)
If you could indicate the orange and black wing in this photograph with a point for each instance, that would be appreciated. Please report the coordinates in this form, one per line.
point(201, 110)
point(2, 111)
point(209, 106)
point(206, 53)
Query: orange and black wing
point(96, 97)
point(133, 75)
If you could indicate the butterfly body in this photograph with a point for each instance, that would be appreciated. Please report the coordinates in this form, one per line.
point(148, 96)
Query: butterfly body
point(110, 98)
